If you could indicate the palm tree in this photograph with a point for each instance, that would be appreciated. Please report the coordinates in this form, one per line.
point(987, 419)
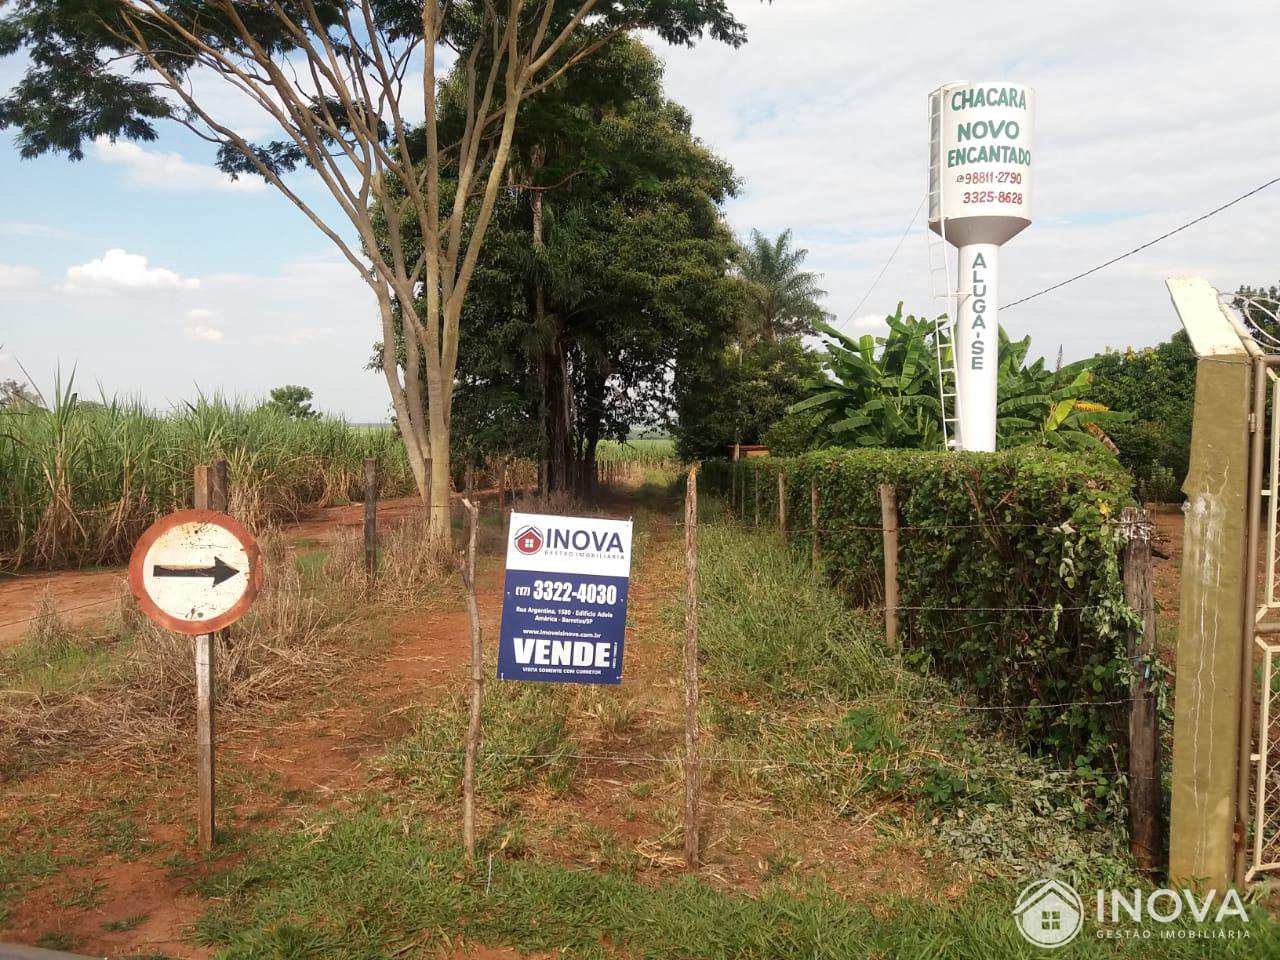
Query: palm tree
point(782, 299)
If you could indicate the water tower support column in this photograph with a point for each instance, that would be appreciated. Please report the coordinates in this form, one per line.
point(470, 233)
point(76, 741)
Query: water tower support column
point(978, 344)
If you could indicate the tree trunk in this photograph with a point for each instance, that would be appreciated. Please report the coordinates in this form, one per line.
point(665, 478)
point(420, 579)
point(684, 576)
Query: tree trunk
point(438, 494)
point(555, 428)
point(590, 422)
point(566, 422)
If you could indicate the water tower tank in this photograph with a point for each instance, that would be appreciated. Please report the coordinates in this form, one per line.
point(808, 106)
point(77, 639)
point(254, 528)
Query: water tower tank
point(980, 179)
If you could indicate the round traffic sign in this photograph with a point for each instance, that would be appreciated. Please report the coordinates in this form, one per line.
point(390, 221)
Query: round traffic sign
point(195, 571)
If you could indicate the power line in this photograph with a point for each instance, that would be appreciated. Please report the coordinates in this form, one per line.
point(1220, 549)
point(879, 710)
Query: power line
point(1149, 243)
point(881, 274)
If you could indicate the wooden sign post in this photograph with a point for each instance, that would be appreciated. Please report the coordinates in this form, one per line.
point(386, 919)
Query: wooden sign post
point(692, 769)
point(196, 572)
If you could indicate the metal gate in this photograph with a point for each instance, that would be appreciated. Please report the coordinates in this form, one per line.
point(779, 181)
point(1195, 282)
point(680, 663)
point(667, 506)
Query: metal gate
point(1258, 808)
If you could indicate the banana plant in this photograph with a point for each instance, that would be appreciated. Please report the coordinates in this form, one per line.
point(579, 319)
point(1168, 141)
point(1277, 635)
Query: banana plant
point(1036, 405)
point(883, 392)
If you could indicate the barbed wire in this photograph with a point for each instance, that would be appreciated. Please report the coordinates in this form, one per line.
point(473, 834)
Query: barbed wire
point(682, 758)
point(61, 611)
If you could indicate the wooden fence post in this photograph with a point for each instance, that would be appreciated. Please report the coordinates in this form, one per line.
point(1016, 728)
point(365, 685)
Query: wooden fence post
point(692, 771)
point(477, 686)
point(782, 502)
point(1145, 841)
point(813, 525)
point(219, 487)
point(370, 518)
point(757, 473)
point(735, 481)
point(210, 494)
point(889, 521)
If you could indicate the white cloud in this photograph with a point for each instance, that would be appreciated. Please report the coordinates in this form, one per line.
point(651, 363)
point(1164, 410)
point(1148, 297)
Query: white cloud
point(199, 328)
point(202, 332)
point(118, 270)
point(869, 321)
point(296, 336)
point(12, 277)
point(161, 170)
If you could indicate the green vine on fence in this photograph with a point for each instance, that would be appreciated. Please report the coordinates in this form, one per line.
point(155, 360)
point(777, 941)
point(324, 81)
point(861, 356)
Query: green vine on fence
point(1011, 580)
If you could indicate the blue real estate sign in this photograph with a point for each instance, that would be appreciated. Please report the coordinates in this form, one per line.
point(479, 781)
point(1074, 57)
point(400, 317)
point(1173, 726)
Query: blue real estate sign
point(564, 605)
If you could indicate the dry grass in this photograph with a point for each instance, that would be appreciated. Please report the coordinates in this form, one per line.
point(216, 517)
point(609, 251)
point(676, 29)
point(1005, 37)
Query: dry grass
point(411, 559)
point(130, 689)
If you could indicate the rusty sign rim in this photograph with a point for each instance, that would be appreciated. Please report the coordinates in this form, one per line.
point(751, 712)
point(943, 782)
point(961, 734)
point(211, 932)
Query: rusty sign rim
point(195, 627)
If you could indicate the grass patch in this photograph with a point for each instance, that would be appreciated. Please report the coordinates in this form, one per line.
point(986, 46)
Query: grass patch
point(371, 884)
point(805, 684)
point(769, 630)
point(526, 743)
point(115, 831)
point(124, 924)
point(25, 860)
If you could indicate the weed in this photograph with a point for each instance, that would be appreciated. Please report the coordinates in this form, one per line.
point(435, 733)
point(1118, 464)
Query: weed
point(116, 832)
point(56, 940)
point(84, 894)
point(137, 685)
point(124, 924)
point(813, 714)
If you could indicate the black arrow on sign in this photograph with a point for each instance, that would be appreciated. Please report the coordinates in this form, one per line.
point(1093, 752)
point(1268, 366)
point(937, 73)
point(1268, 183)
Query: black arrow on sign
point(220, 571)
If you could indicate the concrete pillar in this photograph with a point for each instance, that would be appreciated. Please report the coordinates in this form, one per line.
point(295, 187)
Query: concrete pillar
point(1211, 624)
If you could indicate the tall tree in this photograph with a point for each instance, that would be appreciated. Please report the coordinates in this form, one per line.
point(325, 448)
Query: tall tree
point(782, 298)
point(1158, 386)
point(607, 262)
point(334, 77)
point(293, 401)
point(740, 395)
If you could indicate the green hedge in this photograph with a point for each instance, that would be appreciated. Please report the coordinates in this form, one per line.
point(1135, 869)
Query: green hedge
point(1010, 573)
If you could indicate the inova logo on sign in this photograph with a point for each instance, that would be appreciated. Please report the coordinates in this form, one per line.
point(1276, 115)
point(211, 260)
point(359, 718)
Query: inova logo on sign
point(584, 541)
point(529, 541)
point(1049, 913)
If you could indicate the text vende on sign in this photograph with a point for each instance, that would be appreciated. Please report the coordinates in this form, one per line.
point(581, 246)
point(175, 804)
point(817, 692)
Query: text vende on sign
point(564, 605)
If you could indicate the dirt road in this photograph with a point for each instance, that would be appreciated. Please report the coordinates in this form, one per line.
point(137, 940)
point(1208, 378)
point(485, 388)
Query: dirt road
point(86, 596)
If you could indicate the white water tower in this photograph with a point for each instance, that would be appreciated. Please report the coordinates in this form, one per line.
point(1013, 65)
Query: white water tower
point(980, 180)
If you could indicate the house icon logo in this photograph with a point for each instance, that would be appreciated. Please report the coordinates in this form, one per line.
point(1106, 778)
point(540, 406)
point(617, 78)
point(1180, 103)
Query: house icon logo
point(529, 540)
point(1049, 913)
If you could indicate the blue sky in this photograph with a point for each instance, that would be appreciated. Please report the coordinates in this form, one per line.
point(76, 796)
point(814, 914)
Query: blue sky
point(153, 275)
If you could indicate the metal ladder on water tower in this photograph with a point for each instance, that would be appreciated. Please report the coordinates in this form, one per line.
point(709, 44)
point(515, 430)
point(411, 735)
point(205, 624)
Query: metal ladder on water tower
point(940, 277)
point(942, 290)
